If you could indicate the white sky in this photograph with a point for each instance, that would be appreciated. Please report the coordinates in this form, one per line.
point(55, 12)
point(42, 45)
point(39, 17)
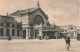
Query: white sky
point(62, 12)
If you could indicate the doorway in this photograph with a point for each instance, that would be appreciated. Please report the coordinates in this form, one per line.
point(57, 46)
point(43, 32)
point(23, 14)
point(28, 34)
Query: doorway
point(24, 33)
point(36, 33)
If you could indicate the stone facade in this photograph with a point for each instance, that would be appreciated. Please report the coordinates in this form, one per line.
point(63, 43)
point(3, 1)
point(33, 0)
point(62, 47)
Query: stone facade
point(34, 17)
point(70, 30)
point(10, 27)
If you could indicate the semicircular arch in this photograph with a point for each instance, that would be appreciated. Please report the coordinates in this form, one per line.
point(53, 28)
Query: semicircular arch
point(38, 20)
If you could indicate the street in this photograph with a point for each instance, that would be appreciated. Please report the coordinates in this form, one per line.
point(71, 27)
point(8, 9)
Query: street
point(35, 45)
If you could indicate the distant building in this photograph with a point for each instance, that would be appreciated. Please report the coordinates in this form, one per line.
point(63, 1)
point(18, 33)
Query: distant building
point(71, 30)
point(10, 27)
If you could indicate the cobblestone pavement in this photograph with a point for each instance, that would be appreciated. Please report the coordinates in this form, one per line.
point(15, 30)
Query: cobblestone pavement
point(35, 45)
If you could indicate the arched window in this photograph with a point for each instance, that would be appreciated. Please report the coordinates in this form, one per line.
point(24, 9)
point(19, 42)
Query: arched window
point(38, 20)
point(71, 28)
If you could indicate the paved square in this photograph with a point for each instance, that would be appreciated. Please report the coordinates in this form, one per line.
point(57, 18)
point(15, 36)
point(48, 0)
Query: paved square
point(35, 45)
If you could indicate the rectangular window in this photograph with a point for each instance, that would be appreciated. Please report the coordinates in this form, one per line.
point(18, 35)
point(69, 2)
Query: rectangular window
point(1, 24)
point(17, 25)
point(17, 32)
point(13, 25)
point(1, 31)
point(13, 32)
point(7, 32)
point(7, 24)
point(24, 33)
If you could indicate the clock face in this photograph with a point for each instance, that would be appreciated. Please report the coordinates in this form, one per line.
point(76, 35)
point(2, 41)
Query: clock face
point(38, 20)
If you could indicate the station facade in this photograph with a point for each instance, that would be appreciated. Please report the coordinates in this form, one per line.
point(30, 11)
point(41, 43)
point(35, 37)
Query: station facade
point(33, 23)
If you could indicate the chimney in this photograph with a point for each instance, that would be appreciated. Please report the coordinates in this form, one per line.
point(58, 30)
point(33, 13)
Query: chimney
point(7, 14)
point(28, 11)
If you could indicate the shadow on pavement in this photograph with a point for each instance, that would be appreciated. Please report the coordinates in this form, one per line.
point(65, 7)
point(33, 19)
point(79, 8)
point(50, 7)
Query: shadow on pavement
point(72, 50)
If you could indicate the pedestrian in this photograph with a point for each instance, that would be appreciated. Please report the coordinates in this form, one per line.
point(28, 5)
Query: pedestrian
point(40, 37)
point(9, 37)
point(68, 42)
point(45, 37)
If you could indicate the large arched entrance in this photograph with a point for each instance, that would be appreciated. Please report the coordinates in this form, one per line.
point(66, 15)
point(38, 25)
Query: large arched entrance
point(38, 20)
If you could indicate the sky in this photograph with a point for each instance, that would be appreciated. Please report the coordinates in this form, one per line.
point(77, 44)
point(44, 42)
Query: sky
point(60, 12)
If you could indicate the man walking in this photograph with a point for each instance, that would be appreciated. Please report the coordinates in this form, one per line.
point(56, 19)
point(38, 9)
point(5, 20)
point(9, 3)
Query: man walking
point(68, 42)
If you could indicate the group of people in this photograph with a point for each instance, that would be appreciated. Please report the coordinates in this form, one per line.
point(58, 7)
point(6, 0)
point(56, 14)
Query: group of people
point(46, 38)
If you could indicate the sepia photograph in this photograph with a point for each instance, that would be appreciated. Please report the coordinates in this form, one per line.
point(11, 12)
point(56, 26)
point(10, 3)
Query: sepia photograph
point(39, 25)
